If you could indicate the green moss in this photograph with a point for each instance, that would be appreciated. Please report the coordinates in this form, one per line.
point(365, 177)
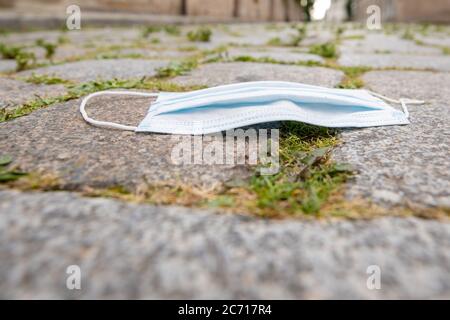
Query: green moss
point(202, 34)
point(169, 29)
point(172, 30)
point(326, 50)
point(276, 41)
point(188, 48)
point(148, 30)
point(408, 35)
point(353, 37)
point(25, 60)
point(45, 79)
point(383, 51)
point(351, 84)
point(339, 32)
point(50, 48)
point(9, 52)
point(352, 79)
point(307, 176)
point(176, 68)
point(63, 39)
point(115, 55)
point(299, 36)
point(309, 63)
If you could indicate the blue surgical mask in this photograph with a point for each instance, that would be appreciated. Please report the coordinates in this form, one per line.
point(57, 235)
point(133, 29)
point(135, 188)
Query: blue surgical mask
point(236, 105)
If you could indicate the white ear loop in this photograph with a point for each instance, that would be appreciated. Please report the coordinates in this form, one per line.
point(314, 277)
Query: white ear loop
point(402, 101)
point(106, 124)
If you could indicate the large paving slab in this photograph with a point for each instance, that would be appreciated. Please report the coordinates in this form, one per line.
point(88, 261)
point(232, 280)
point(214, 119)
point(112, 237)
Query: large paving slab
point(439, 63)
point(89, 70)
point(379, 42)
point(435, 40)
point(15, 92)
point(7, 65)
point(100, 36)
point(57, 141)
point(250, 34)
point(223, 73)
point(29, 38)
point(142, 251)
point(409, 164)
point(63, 53)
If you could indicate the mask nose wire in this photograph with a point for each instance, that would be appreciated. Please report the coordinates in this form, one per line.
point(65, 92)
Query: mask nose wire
point(402, 101)
point(107, 124)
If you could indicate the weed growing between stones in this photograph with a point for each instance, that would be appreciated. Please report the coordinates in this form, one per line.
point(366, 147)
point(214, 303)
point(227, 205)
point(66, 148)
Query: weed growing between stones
point(79, 90)
point(306, 179)
point(169, 29)
point(276, 42)
point(176, 68)
point(45, 79)
point(24, 59)
point(8, 175)
point(50, 48)
point(202, 34)
point(295, 40)
point(308, 63)
point(9, 52)
point(326, 50)
point(408, 35)
point(352, 79)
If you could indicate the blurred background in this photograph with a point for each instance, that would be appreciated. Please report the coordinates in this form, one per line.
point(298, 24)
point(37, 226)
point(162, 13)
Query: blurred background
point(125, 11)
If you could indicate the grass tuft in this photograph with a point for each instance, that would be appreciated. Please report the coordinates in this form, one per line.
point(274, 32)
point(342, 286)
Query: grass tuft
point(326, 50)
point(45, 79)
point(202, 34)
point(176, 68)
point(6, 174)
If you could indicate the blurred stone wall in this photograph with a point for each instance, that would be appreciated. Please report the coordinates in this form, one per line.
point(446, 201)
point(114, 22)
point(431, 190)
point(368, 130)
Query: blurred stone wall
point(246, 10)
point(435, 11)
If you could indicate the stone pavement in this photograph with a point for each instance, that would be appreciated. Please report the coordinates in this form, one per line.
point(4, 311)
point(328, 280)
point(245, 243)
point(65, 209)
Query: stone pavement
point(141, 251)
point(131, 250)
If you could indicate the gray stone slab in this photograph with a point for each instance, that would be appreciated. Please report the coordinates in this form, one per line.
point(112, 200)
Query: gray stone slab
point(57, 141)
point(250, 34)
point(62, 53)
point(224, 73)
point(409, 164)
point(89, 70)
point(439, 63)
point(435, 40)
point(146, 252)
point(381, 43)
point(29, 38)
point(7, 65)
point(14, 92)
point(278, 54)
point(98, 37)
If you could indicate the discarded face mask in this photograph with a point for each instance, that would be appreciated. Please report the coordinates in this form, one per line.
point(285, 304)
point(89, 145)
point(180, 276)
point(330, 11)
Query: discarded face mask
point(236, 105)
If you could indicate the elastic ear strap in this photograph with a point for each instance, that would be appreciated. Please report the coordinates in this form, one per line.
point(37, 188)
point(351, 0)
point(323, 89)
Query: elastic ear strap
point(402, 101)
point(106, 124)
